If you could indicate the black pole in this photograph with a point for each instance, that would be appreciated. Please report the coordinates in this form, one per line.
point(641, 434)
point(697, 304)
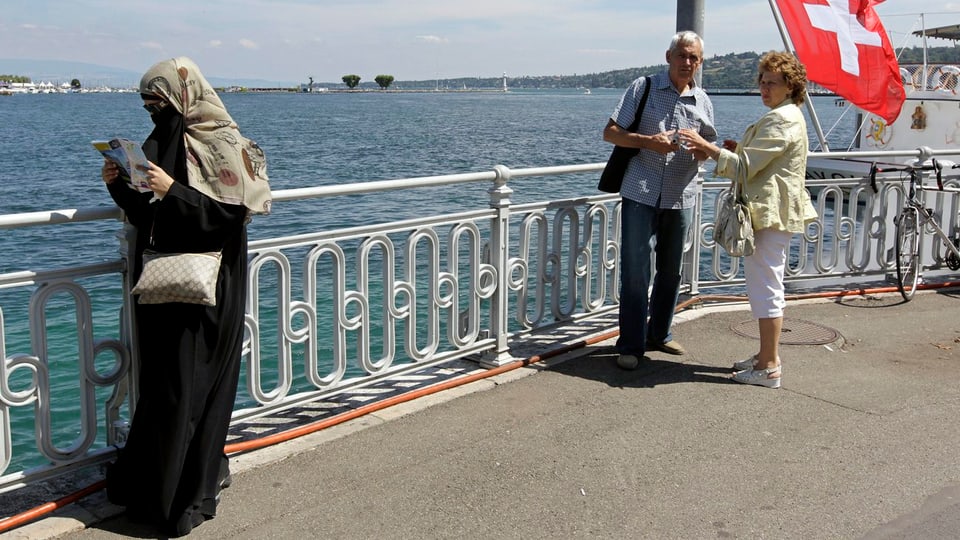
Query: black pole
point(690, 17)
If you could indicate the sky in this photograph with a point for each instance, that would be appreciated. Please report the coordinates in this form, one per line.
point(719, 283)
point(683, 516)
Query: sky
point(293, 40)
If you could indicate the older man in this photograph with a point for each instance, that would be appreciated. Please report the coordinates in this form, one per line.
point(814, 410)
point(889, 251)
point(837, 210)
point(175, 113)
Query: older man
point(658, 195)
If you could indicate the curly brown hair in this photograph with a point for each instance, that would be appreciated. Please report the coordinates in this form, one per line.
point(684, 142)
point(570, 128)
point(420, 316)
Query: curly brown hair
point(794, 74)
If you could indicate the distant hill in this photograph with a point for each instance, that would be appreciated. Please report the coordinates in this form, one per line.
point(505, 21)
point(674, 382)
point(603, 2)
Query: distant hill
point(733, 71)
point(57, 71)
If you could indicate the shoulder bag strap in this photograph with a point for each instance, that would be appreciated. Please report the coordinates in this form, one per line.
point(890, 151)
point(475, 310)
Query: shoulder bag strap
point(643, 102)
point(740, 181)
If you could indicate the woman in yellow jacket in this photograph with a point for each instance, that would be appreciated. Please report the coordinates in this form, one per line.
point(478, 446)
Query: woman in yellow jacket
point(774, 153)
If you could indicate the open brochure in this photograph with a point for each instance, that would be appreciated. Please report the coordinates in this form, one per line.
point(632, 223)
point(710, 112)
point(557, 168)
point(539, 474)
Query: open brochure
point(128, 155)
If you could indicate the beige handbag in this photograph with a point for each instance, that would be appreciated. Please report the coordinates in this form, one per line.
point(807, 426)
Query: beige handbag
point(189, 278)
point(733, 228)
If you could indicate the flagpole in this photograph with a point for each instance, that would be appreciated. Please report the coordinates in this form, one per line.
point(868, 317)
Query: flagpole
point(789, 46)
point(923, 31)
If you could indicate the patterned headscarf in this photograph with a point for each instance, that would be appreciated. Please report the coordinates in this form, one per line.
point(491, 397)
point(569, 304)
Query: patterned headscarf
point(221, 163)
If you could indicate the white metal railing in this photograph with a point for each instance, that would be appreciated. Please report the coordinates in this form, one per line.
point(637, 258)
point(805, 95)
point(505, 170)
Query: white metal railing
point(331, 310)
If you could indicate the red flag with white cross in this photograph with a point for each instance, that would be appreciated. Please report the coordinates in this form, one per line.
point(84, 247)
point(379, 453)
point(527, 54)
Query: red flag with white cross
point(845, 48)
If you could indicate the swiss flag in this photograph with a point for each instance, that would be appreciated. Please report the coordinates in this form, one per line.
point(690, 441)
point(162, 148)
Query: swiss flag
point(844, 47)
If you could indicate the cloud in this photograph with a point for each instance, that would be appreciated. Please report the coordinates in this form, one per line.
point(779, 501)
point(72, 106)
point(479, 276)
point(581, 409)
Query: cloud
point(292, 37)
point(433, 39)
point(600, 51)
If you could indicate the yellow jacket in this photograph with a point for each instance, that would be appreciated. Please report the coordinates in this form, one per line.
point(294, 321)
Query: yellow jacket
point(774, 151)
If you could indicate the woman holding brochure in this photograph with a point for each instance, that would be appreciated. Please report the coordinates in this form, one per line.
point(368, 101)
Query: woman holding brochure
point(206, 180)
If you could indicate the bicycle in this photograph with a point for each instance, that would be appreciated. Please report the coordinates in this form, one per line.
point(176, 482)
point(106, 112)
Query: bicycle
point(909, 224)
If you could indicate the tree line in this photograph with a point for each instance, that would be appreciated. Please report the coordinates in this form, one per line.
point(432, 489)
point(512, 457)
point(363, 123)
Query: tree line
point(14, 78)
point(74, 83)
point(352, 81)
point(732, 71)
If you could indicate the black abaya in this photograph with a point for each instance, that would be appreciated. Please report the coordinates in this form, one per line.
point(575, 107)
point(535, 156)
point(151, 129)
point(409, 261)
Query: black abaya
point(170, 469)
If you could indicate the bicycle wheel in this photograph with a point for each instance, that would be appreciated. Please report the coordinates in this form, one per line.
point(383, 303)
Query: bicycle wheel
point(906, 251)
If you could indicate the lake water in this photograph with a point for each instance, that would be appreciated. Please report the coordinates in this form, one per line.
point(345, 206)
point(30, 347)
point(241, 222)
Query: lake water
point(320, 139)
point(309, 139)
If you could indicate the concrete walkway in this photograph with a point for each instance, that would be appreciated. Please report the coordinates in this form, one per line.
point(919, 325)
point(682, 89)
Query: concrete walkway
point(862, 441)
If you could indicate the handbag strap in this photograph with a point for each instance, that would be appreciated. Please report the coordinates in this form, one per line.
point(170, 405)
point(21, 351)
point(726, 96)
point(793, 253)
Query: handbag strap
point(737, 183)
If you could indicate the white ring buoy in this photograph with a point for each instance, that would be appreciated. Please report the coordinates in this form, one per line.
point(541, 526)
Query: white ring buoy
point(906, 77)
point(948, 78)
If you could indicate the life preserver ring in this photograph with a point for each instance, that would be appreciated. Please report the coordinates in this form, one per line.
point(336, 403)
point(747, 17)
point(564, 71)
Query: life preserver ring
point(947, 77)
point(906, 78)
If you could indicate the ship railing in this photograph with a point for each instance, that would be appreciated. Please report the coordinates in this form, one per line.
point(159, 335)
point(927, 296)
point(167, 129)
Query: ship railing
point(337, 309)
point(932, 77)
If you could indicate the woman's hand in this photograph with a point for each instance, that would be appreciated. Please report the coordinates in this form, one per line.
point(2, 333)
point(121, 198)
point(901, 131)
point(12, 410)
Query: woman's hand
point(697, 145)
point(109, 172)
point(158, 179)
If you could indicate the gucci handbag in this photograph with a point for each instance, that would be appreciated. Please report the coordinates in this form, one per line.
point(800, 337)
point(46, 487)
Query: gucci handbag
point(189, 278)
point(733, 228)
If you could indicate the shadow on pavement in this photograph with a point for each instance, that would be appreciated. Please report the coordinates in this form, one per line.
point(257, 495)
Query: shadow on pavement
point(601, 365)
point(120, 524)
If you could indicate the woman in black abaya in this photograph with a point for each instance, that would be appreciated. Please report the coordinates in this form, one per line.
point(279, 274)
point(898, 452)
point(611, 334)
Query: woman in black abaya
point(206, 180)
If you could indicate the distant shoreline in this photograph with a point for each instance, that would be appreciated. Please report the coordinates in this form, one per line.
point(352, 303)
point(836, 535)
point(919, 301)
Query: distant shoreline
point(719, 92)
point(294, 90)
point(359, 90)
point(757, 93)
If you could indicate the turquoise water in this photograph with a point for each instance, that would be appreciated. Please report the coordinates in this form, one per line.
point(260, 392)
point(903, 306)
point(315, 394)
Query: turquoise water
point(319, 139)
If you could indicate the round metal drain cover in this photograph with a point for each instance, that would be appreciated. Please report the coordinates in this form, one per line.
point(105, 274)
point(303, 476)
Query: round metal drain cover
point(795, 332)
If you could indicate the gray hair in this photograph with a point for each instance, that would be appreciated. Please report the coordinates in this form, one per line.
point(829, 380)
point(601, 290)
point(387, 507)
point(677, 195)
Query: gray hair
point(687, 37)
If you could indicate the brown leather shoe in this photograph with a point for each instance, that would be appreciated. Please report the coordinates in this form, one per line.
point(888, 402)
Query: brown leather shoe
point(670, 347)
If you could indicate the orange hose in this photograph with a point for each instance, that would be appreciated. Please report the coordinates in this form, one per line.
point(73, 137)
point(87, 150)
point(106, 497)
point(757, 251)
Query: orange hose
point(44, 509)
point(246, 446)
point(407, 396)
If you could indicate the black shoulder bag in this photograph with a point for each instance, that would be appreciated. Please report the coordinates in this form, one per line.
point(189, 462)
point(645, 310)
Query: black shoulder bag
point(612, 176)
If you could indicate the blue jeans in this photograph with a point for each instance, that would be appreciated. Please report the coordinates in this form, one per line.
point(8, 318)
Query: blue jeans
point(643, 226)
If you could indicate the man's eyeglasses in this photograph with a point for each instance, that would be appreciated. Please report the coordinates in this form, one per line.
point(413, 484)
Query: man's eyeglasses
point(154, 108)
point(692, 58)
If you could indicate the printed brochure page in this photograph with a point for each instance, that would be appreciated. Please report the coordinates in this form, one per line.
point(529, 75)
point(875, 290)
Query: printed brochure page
point(128, 155)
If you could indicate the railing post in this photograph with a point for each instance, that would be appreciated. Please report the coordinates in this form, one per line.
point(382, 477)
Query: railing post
point(499, 255)
point(691, 270)
point(128, 336)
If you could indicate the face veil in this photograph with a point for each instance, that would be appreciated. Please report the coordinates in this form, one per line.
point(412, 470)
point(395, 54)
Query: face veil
point(165, 145)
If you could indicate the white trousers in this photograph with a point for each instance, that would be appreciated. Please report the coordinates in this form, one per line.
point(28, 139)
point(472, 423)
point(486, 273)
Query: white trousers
point(763, 272)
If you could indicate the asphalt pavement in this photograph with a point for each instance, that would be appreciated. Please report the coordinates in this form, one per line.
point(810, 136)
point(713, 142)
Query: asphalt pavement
point(860, 442)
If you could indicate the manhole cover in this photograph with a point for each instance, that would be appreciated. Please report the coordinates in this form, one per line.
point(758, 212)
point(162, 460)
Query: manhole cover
point(795, 332)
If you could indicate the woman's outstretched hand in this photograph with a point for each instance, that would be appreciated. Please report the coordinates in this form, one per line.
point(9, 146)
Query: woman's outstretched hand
point(698, 146)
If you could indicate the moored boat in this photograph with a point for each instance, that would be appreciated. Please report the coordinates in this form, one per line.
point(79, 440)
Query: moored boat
point(928, 121)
